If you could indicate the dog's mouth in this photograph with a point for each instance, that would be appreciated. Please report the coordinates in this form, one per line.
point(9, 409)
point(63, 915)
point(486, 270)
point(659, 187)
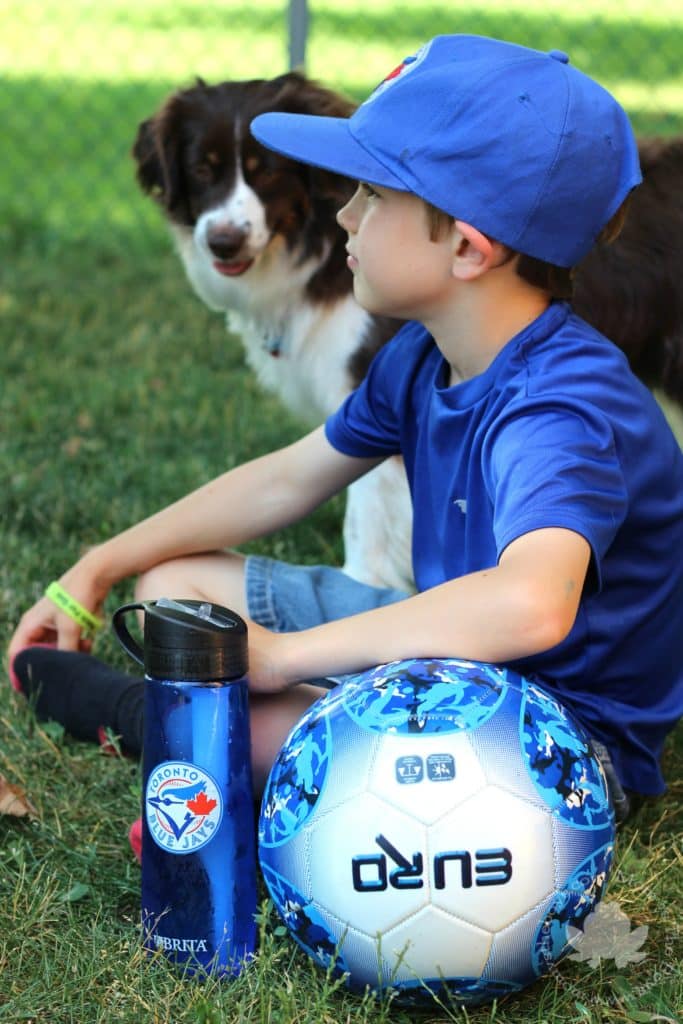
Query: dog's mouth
point(232, 268)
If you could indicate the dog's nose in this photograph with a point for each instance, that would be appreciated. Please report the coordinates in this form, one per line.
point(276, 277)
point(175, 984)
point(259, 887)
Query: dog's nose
point(225, 242)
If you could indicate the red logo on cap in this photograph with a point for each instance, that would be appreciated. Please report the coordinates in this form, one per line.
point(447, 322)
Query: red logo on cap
point(407, 64)
point(398, 70)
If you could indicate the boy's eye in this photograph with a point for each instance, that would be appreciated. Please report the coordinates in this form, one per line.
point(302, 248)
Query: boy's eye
point(368, 190)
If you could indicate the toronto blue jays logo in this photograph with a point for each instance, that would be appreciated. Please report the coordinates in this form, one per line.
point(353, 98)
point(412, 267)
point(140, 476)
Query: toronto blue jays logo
point(406, 65)
point(183, 806)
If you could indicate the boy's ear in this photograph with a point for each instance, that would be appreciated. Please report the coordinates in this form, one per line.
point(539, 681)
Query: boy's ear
point(473, 253)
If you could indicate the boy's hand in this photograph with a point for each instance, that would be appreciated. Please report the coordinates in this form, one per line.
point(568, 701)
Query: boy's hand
point(267, 672)
point(44, 623)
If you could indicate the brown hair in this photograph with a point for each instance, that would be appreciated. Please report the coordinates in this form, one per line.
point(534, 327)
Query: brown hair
point(558, 281)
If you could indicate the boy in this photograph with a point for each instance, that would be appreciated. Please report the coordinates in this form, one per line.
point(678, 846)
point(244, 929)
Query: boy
point(547, 487)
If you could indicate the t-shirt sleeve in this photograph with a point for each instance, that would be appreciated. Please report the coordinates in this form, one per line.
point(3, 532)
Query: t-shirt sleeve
point(556, 466)
point(368, 423)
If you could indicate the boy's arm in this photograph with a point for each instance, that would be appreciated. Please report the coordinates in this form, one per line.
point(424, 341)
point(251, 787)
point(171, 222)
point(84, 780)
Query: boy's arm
point(524, 605)
point(247, 502)
point(250, 501)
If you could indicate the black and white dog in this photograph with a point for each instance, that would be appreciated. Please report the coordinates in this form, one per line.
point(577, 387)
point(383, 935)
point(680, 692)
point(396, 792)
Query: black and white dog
point(258, 238)
point(259, 241)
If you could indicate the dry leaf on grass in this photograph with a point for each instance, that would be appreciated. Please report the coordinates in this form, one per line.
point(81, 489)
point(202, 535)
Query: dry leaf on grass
point(13, 801)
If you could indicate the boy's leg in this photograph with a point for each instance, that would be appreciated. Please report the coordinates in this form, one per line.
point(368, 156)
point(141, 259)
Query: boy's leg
point(289, 598)
point(278, 596)
point(60, 682)
point(91, 699)
point(217, 577)
point(281, 598)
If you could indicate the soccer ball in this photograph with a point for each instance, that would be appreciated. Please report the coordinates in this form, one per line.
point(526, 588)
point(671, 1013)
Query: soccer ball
point(438, 827)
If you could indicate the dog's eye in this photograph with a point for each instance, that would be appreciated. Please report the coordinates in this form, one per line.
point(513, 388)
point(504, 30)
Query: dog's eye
point(203, 172)
point(207, 166)
point(262, 167)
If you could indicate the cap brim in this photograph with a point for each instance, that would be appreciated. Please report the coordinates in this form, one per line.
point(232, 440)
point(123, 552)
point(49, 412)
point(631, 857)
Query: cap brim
point(325, 142)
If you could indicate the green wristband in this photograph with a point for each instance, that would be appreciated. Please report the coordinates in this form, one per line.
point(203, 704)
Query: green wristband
point(73, 608)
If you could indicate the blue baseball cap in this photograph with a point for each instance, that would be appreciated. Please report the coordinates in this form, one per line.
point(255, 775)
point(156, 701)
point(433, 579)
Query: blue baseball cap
point(516, 142)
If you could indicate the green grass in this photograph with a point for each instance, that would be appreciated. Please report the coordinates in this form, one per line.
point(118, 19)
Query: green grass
point(121, 392)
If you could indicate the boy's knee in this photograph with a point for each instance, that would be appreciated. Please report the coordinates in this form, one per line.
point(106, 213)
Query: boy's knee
point(216, 576)
point(177, 578)
point(154, 583)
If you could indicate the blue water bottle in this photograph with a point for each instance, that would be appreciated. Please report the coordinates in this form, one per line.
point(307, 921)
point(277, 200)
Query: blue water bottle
point(198, 836)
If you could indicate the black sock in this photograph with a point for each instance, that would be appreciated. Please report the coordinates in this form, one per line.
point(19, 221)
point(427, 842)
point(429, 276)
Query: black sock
point(82, 694)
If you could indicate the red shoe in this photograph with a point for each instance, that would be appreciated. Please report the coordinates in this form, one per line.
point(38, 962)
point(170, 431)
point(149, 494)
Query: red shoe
point(135, 839)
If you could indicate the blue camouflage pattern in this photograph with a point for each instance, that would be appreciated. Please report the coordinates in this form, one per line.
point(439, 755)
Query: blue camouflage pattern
point(305, 924)
point(297, 778)
point(423, 696)
point(462, 991)
point(569, 908)
point(561, 763)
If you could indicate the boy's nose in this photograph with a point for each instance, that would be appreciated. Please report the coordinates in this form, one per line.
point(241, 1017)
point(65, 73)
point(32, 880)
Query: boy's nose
point(342, 216)
point(346, 218)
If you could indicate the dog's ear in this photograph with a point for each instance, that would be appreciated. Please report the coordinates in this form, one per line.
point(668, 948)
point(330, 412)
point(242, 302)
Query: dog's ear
point(299, 94)
point(144, 152)
point(156, 151)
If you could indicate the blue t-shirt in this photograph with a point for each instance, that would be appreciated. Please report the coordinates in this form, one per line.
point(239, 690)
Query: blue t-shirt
point(557, 432)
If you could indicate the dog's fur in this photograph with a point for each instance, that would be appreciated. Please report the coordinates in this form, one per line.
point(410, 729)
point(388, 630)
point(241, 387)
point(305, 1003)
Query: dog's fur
point(257, 235)
point(632, 289)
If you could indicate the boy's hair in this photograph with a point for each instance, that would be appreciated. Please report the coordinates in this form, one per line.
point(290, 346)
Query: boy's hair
point(557, 281)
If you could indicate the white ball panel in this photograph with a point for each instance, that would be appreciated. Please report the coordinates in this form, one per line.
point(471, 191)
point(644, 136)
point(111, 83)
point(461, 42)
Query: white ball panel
point(357, 952)
point(483, 886)
point(293, 861)
point(352, 755)
point(574, 845)
point(427, 776)
point(347, 837)
point(434, 943)
point(498, 749)
point(511, 951)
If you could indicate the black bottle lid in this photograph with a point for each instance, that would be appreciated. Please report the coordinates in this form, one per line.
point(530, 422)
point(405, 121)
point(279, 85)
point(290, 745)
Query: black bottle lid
point(186, 641)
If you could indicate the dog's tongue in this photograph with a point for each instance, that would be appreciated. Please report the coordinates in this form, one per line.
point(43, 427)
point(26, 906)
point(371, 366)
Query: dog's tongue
point(232, 269)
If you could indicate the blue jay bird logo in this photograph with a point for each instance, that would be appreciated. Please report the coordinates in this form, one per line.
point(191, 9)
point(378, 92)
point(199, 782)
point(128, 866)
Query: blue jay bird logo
point(183, 806)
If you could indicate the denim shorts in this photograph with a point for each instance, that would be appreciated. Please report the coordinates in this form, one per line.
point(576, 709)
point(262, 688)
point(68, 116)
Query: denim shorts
point(287, 598)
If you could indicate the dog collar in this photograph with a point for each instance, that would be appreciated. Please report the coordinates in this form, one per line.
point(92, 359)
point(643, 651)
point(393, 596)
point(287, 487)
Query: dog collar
point(273, 343)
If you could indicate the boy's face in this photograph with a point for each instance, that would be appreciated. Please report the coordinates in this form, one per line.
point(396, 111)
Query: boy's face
point(397, 269)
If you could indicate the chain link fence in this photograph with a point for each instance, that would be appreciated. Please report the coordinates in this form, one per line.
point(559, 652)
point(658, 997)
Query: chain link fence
point(77, 78)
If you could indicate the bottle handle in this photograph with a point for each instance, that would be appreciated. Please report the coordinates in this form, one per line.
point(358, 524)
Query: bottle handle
point(129, 644)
